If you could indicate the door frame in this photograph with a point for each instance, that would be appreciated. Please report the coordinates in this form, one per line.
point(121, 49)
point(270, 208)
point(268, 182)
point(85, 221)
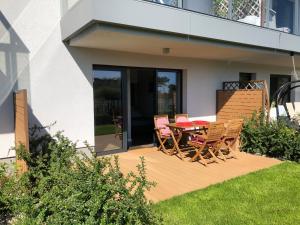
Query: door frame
point(126, 97)
point(125, 107)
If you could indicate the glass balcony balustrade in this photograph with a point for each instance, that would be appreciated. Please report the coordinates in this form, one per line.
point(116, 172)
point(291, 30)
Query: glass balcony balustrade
point(280, 15)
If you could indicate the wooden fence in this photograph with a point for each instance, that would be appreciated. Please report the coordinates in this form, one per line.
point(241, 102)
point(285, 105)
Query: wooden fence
point(21, 126)
point(235, 104)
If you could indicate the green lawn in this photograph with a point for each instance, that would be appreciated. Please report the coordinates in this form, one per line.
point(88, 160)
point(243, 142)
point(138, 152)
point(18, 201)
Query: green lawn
point(270, 196)
point(104, 129)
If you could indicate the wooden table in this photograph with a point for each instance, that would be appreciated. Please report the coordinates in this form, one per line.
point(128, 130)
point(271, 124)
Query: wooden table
point(177, 131)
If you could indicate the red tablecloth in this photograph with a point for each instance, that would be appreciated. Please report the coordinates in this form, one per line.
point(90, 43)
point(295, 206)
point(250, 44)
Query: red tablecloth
point(191, 124)
point(201, 122)
point(185, 124)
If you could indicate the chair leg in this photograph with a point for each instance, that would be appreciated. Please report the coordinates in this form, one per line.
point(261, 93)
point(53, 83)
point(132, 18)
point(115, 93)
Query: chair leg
point(176, 145)
point(227, 146)
point(162, 145)
point(222, 155)
point(198, 153)
point(215, 159)
point(231, 152)
point(218, 150)
point(202, 160)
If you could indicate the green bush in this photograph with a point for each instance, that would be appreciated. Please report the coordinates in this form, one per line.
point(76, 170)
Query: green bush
point(64, 187)
point(4, 205)
point(274, 139)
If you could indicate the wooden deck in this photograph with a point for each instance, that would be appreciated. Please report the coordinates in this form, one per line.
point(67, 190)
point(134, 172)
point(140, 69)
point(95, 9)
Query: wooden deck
point(175, 177)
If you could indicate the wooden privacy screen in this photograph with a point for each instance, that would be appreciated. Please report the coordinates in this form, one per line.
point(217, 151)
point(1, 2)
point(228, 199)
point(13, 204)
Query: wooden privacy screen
point(235, 104)
point(21, 125)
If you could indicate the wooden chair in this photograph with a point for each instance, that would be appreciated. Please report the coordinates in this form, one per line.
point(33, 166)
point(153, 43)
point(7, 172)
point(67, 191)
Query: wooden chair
point(118, 125)
point(232, 133)
point(181, 118)
point(162, 131)
point(207, 146)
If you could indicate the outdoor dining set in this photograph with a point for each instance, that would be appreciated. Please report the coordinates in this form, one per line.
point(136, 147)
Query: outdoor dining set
point(203, 140)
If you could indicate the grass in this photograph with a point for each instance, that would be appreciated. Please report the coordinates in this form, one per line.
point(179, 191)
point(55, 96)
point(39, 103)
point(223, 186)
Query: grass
point(270, 196)
point(104, 129)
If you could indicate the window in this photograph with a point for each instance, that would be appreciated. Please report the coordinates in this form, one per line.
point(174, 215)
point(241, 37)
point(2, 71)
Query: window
point(247, 76)
point(276, 81)
point(168, 92)
point(282, 15)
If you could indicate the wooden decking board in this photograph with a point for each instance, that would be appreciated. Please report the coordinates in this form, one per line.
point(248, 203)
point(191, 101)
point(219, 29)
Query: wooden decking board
point(175, 177)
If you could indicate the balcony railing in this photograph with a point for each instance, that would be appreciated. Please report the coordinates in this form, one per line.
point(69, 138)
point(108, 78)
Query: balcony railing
point(281, 15)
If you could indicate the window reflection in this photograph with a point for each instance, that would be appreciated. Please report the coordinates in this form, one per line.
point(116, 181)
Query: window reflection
point(175, 3)
point(276, 81)
point(108, 110)
point(167, 92)
point(282, 15)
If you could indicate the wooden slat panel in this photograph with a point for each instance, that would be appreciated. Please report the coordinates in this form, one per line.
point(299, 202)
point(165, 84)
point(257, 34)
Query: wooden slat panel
point(234, 104)
point(21, 125)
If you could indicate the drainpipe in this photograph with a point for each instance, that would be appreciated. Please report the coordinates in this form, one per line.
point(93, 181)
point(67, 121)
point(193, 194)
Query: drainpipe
point(292, 54)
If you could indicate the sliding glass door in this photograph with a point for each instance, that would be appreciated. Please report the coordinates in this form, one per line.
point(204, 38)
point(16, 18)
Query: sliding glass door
point(108, 109)
point(125, 101)
point(168, 92)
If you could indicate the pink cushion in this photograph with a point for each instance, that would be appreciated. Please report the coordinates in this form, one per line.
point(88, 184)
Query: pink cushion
point(161, 123)
point(198, 139)
point(166, 131)
point(180, 119)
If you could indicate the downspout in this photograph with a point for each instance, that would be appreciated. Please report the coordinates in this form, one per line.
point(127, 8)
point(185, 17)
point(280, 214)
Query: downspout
point(294, 66)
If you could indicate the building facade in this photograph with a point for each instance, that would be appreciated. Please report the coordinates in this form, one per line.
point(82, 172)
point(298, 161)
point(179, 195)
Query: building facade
point(100, 69)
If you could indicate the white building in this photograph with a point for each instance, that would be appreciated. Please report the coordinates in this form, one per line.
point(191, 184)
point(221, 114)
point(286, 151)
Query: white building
point(90, 65)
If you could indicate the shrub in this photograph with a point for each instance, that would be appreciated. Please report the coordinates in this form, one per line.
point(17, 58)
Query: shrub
point(274, 139)
point(4, 206)
point(64, 187)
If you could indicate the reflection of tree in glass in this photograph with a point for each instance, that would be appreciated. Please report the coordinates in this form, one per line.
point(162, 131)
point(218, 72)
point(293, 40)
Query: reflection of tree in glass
point(162, 81)
point(166, 94)
point(107, 99)
point(107, 88)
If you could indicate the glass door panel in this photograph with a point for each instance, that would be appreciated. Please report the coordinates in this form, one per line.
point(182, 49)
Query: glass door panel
point(108, 112)
point(276, 81)
point(168, 92)
point(143, 107)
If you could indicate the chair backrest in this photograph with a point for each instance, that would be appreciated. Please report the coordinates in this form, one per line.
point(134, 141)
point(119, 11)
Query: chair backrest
point(179, 118)
point(297, 107)
point(160, 123)
point(215, 132)
point(290, 109)
point(234, 128)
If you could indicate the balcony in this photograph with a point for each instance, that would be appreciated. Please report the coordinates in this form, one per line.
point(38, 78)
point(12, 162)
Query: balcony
point(188, 27)
point(280, 15)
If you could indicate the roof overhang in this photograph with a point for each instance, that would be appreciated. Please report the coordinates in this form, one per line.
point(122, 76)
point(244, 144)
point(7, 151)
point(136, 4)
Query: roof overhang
point(144, 27)
point(129, 39)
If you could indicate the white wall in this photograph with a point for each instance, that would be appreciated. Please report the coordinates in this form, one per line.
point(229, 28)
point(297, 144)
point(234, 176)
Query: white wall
point(59, 78)
point(21, 38)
